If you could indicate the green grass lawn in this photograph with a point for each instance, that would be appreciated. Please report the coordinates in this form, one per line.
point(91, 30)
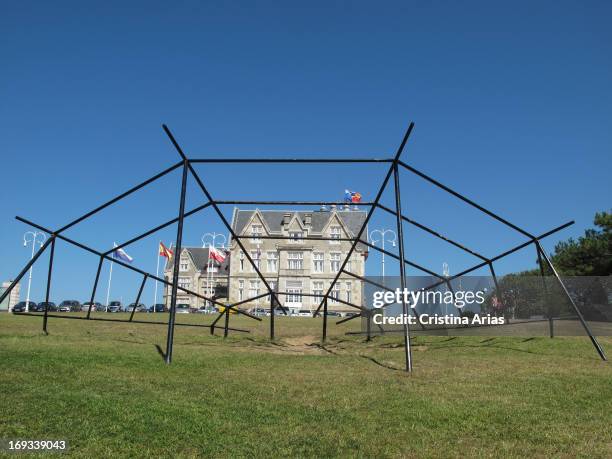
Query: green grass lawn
point(104, 388)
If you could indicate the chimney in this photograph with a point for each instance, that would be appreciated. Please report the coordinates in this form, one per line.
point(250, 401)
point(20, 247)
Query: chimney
point(286, 218)
point(308, 219)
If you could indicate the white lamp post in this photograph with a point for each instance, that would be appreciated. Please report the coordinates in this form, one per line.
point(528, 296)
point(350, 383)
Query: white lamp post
point(382, 237)
point(213, 237)
point(209, 275)
point(32, 237)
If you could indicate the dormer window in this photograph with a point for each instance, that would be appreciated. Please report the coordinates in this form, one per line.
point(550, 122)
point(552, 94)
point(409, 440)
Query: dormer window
point(184, 265)
point(296, 237)
point(335, 232)
point(256, 233)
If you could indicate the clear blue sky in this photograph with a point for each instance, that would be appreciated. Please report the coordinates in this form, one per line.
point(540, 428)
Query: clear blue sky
point(512, 104)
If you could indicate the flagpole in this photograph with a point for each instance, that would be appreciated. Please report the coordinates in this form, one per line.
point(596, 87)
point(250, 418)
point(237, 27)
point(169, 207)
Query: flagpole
point(212, 275)
point(157, 276)
point(110, 276)
point(208, 276)
point(171, 262)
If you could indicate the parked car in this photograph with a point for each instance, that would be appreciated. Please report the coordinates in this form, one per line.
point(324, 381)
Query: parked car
point(69, 305)
point(94, 306)
point(205, 310)
point(159, 307)
point(140, 307)
point(21, 306)
point(259, 312)
point(182, 309)
point(50, 306)
point(113, 308)
point(304, 313)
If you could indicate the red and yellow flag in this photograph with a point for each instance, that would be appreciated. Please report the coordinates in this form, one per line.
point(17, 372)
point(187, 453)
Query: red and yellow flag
point(165, 251)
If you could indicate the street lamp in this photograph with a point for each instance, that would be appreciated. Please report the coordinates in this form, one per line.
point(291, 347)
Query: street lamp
point(213, 237)
point(374, 241)
point(32, 237)
point(209, 275)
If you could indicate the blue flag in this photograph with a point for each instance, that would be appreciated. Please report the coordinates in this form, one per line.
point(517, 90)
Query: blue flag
point(120, 254)
point(348, 196)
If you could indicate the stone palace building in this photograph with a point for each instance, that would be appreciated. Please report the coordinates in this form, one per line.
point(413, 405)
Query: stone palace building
point(199, 274)
point(297, 266)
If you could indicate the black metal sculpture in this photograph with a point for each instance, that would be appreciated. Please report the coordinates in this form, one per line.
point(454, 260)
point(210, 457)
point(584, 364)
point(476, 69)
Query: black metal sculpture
point(187, 168)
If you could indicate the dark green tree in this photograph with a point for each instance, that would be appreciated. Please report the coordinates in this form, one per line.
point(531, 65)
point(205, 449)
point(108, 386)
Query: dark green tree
point(591, 254)
point(523, 294)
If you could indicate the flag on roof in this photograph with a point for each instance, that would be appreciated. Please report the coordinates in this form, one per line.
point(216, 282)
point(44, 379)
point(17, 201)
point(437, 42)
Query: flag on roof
point(120, 254)
point(216, 254)
point(165, 251)
point(348, 196)
point(352, 196)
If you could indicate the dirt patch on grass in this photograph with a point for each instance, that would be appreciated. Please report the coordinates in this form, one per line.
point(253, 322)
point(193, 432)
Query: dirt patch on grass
point(302, 340)
point(298, 345)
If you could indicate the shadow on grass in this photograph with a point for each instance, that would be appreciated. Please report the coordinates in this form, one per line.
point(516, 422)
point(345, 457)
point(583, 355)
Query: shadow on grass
point(380, 364)
point(488, 340)
point(504, 348)
point(323, 348)
point(161, 352)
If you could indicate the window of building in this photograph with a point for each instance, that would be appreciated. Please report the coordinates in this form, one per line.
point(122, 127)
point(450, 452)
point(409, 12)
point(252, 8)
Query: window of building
point(272, 285)
point(317, 262)
point(184, 265)
point(295, 260)
point(317, 291)
point(208, 290)
point(272, 258)
point(348, 265)
point(253, 288)
point(349, 296)
point(184, 282)
point(256, 233)
point(241, 261)
point(256, 255)
point(335, 293)
point(296, 237)
point(240, 289)
point(335, 232)
point(334, 261)
point(294, 293)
